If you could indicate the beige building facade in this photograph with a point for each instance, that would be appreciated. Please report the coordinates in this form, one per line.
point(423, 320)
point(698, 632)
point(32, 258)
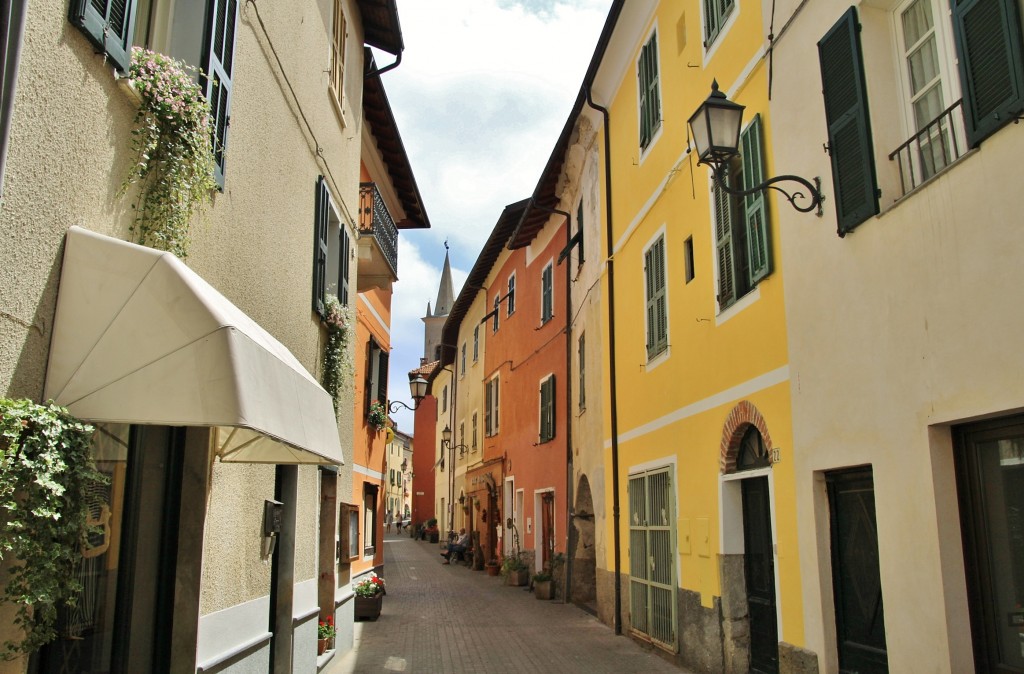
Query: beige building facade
point(249, 468)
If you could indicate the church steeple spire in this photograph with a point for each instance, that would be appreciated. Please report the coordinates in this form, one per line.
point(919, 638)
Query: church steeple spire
point(445, 294)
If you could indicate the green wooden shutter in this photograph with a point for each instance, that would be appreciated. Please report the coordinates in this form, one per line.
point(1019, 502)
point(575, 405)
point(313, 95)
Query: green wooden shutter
point(343, 263)
point(657, 314)
point(382, 377)
point(220, 58)
point(647, 84)
point(546, 298)
point(321, 216)
point(756, 206)
point(723, 246)
point(989, 46)
point(109, 24)
point(849, 126)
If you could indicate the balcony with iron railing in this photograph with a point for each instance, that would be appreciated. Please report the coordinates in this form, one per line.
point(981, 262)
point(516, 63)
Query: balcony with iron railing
point(939, 144)
point(378, 240)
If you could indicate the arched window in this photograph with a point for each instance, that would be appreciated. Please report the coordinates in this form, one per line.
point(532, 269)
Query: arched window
point(753, 453)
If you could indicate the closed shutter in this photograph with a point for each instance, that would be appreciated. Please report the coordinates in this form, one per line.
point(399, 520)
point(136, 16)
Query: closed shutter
point(321, 217)
point(109, 24)
point(547, 409)
point(650, 102)
point(724, 248)
point(487, 410)
point(369, 383)
point(657, 310)
point(545, 285)
point(849, 127)
point(219, 70)
point(988, 43)
point(494, 383)
point(382, 377)
point(756, 206)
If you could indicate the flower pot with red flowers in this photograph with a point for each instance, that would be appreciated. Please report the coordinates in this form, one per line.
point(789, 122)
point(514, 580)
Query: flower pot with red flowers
point(369, 597)
point(325, 633)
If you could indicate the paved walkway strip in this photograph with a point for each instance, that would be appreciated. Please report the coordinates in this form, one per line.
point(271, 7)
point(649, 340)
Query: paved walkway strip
point(439, 618)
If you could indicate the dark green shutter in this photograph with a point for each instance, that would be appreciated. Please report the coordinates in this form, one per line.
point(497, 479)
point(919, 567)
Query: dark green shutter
point(988, 44)
point(657, 313)
point(579, 229)
point(546, 300)
point(109, 24)
point(547, 409)
point(321, 217)
point(382, 376)
point(343, 263)
point(756, 206)
point(650, 102)
point(849, 126)
point(724, 248)
point(219, 69)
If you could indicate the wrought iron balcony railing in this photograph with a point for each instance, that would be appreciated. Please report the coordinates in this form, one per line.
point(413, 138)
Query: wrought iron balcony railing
point(938, 144)
point(376, 221)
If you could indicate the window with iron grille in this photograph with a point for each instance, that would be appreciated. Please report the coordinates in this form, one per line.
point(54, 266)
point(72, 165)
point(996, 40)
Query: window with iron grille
point(652, 575)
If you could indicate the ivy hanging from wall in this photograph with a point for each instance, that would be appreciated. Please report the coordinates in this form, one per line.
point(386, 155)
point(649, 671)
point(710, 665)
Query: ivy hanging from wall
point(173, 146)
point(46, 472)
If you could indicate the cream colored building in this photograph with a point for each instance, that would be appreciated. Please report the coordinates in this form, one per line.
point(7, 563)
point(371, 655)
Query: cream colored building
point(904, 332)
point(202, 377)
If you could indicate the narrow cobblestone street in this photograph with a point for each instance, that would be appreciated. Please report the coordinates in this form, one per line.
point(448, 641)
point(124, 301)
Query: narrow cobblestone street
point(447, 618)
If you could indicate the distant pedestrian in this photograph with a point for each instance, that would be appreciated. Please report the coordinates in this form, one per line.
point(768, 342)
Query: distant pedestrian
point(387, 522)
point(398, 526)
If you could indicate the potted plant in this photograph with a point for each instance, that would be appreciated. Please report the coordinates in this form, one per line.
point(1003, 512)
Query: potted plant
point(432, 533)
point(369, 597)
point(515, 570)
point(377, 416)
point(325, 632)
point(543, 585)
point(493, 568)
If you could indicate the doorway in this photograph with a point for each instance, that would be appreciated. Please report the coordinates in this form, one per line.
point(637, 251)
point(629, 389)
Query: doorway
point(856, 582)
point(989, 463)
point(759, 571)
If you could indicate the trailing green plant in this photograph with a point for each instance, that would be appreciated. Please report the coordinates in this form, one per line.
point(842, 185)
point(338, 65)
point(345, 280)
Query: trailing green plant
point(512, 563)
point(377, 416)
point(338, 367)
point(46, 471)
point(174, 152)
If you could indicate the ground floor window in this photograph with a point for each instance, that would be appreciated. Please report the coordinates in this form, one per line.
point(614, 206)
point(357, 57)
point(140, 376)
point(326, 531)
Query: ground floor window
point(369, 519)
point(122, 620)
point(990, 481)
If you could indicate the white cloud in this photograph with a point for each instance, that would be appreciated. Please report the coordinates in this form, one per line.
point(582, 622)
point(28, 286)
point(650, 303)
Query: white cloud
point(483, 90)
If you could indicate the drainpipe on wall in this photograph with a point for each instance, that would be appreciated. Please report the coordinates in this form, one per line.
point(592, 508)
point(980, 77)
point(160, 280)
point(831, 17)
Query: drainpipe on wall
point(614, 414)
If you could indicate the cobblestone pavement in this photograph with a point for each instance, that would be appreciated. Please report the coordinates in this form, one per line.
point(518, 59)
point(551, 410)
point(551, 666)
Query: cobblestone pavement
point(448, 618)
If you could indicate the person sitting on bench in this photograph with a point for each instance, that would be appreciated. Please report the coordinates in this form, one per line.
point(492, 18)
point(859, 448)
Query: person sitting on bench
point(458, 547)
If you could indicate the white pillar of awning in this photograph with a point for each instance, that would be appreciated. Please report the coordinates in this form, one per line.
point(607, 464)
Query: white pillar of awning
point(140, 338)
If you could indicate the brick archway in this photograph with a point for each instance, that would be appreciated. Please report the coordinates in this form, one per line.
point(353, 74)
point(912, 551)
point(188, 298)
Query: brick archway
point(742, 415)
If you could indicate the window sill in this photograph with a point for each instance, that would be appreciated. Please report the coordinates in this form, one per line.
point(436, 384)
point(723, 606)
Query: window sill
point(738, 306)
point(945, 169)
point(658, 359)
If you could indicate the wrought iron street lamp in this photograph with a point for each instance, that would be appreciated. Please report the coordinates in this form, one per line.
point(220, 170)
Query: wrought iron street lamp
point(446, 441)
point(417, 391)
point(715, 128)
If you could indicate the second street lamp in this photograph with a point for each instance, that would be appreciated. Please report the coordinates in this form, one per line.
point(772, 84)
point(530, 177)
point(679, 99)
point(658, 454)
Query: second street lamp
point(417, 391)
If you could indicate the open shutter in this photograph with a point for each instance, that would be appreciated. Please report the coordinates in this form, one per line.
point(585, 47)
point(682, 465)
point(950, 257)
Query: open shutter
point(488, 424)
point(849, 128)
point(382, 376)
point(651, 311)
point(723, 246)
point(220, 61)
point(988, 44)
point(647, 86)
point(756, 205)
point(321, 218)
point(660, 307)
point(369, 381)
point(343, 264)
point(109, 24)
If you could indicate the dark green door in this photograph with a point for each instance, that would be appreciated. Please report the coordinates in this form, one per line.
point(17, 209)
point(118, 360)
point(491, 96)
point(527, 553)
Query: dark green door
point(860, 618)
point(759, 567)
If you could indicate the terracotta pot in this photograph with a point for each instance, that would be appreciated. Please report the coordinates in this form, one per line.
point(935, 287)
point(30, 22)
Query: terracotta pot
point(492, 569)
point(321, 646)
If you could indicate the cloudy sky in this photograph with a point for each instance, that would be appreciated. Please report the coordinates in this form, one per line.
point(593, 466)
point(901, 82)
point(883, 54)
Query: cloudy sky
point(483, 90)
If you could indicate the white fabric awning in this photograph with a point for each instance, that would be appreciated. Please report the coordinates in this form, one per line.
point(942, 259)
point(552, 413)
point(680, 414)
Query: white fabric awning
point(140, 338)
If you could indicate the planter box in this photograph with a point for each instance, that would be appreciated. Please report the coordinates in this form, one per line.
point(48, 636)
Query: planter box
point(368, 608)
point(519, 578)
point(544, 589)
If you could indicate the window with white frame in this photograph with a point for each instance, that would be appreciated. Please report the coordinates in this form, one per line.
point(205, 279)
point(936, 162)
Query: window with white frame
point(339, 45)
point(462, 362)
point(510, 300)
point(473, 428)
point(332, 252)
point(497, 308)
point(547, 295)
point(743, 247)
point(656, 300)
point(476, 343)
point(491, 407)
point(649, 93)
point(547, 409)
point(716, 13)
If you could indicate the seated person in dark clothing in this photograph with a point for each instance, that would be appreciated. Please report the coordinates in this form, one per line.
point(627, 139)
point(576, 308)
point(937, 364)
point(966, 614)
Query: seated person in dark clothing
point(458, 547)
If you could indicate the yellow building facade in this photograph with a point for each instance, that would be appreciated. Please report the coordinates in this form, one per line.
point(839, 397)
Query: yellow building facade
point(707, 563)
